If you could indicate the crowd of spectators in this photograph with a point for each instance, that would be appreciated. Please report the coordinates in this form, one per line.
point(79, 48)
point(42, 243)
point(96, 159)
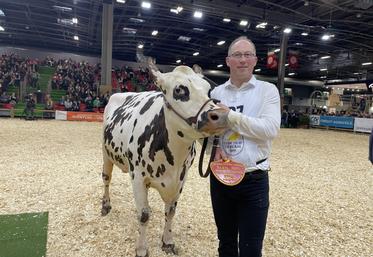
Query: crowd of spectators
point(14, 69)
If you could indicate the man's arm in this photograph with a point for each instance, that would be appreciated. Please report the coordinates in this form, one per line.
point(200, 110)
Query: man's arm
point(266, 126)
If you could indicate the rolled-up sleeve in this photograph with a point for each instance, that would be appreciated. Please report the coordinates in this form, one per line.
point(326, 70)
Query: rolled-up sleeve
point(266, 125)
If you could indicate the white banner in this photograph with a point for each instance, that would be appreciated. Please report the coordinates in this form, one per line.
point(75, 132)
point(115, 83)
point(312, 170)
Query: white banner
point(363, 125)
point(61, 115)
point(314, 120)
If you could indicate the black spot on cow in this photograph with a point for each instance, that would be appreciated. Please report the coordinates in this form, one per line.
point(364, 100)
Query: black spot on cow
point(148, 185)
point(133, 175)
point(116, 149)
point(112, 144)
point(131, 139)
point(121, 150)
point(158, 131)
point(132, 168)
point(147, 105)
point(143, 174)
point(160, 170)
point(118, 117)
point(134, 124)
point(111, 155)
point(150, 170)
point(181, 93)
point(121, 131)
point(137, 163)
point(163, 184)
point(180, 133)
point(130, 155)
point(107, 151)
point(181, 190)
point(121, 143)
point(143, 163)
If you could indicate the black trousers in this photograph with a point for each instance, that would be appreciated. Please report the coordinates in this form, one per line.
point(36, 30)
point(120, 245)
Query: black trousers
point(241, 215)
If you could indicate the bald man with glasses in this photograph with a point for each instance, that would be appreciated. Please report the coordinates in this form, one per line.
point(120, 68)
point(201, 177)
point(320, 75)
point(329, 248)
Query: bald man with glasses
point(253, 107)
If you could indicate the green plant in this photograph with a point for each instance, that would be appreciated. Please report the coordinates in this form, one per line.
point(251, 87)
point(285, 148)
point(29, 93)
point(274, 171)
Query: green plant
point(304, 119)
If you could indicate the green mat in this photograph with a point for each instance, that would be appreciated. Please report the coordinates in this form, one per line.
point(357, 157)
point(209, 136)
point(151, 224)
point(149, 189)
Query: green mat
point(23, 235)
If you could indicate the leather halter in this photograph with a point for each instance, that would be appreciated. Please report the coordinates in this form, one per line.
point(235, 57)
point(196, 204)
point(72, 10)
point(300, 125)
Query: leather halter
point(190, 120)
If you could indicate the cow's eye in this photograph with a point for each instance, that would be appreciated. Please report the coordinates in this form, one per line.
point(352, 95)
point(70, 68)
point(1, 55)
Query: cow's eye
point(181, 93)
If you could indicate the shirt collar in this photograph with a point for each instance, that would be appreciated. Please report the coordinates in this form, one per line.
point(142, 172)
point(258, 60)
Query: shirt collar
point(244, 86)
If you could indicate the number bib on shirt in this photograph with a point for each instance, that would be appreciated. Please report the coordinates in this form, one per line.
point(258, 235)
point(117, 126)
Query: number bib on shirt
point(229, 173)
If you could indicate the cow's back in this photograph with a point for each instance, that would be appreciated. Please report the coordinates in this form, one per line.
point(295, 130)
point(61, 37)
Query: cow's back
point(125, 120)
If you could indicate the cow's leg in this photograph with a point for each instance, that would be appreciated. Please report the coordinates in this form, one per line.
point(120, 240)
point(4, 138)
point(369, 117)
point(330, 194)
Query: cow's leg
point(107, 170)
point(167, 241)
point(140, 191)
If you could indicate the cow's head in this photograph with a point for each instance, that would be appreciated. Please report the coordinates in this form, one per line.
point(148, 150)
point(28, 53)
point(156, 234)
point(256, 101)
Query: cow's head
point(186, 94)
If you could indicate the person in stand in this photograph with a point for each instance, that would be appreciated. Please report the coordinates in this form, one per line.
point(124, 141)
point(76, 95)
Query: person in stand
point(254, 115)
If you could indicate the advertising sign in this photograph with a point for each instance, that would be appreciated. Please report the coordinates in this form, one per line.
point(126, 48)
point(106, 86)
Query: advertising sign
point(337, 122)
point(363, 125)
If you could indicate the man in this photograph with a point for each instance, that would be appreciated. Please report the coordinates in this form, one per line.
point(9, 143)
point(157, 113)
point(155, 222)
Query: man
point(240, 211)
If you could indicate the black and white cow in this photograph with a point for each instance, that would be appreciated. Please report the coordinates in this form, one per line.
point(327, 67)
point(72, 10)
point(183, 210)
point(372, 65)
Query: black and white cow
point(152, 136)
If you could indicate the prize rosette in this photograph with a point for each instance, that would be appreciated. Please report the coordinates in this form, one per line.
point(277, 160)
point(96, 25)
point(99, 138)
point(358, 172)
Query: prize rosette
point(228, 172)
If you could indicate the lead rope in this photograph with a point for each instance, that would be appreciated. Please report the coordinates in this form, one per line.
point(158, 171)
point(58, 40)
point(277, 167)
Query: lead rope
point(201, 156)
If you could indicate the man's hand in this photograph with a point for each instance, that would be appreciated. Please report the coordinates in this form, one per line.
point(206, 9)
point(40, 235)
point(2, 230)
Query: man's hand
point(224, 107)
point(220, 154)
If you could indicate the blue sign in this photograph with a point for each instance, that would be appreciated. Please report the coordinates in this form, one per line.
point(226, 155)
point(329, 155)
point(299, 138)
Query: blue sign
point(337, 121)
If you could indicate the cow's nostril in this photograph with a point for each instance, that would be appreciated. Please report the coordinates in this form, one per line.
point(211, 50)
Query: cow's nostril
point(214, 117)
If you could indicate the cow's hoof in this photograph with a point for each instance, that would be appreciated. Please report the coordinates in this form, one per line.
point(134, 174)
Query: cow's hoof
point(146, 255)
point(169, 248)
point(105, 210)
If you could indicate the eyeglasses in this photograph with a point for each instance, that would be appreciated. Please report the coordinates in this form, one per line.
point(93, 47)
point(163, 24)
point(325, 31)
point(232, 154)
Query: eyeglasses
point(239, 55)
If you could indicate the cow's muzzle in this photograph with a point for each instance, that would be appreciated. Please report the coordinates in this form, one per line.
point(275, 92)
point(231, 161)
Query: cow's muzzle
point(213, 122)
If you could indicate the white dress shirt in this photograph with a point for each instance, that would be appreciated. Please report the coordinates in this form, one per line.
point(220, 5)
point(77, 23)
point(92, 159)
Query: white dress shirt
point(254, 120)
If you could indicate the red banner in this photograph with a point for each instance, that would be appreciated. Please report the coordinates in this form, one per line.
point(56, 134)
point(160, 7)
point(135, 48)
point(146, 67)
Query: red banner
point(272, 60)
point(293, 60)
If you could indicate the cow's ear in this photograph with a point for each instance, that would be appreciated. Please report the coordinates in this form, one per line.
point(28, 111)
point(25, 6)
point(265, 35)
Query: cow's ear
point(153, 68)
point(155, 71)
point(198, 70)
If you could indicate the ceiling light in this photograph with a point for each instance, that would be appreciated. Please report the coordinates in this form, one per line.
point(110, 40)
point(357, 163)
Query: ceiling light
point(177, 10)
point(287, 30)
point(2, 13)
point(198, 14)
point(325, 57)
point(2, 28)
point(146, 5)
point(322, 77)
point(136, 20)
point(62, 8)
point(199, 29)
point(178, 61)
point(129, 30)
point(219, 65)
point(140, 46)
point(325, 37)
point(291, 74)
point(257, 70)
point(304, 34)
point(323, 69)
point(220, 43)
point(76, 37)
point(75, 20)
point(121, 1)
point(196, 53)
point(184, 38)
point(366, 63)
point(286, 64)
point(155, 32)
point(277, 50)
point(298, 44)
point(261, 25)
point(244, 23)
point(226, 20)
